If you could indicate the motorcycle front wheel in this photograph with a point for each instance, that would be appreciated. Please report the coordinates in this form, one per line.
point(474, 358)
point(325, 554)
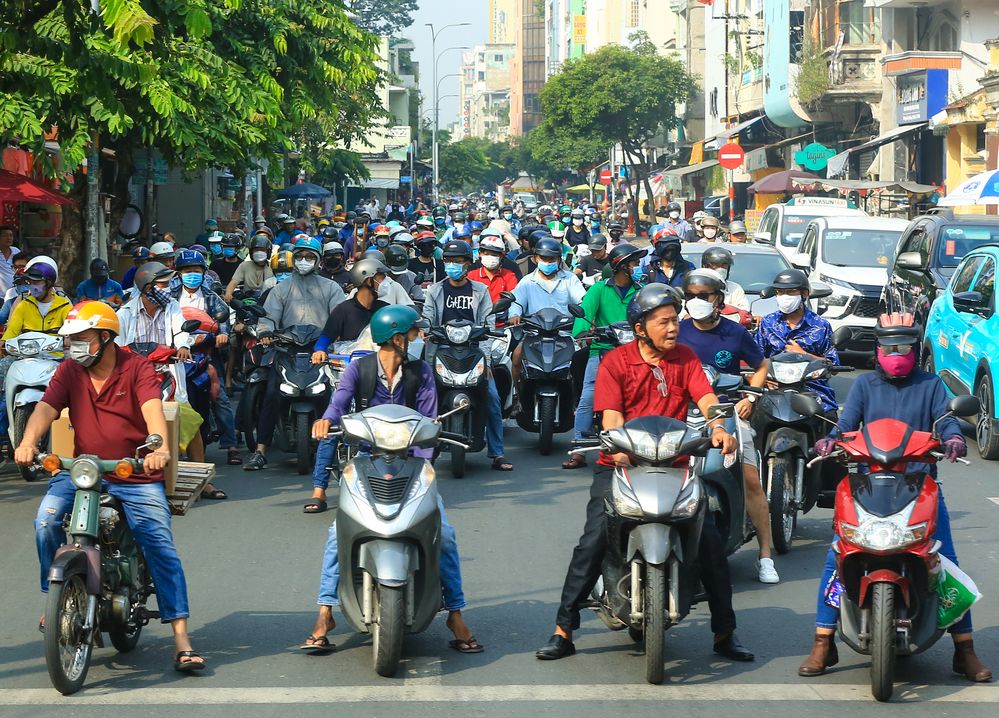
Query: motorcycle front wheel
point(882, 640)
point(783, 514)
point(546, 429)
point(303, 444)
point(654, 610)
point(388, 629)
point(67, 646)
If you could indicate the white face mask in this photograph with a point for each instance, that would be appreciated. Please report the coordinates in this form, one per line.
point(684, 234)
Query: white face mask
point(459, 225)
point(385, 288)
point(674, 215)
point(788, 303)
point(259, 257)
point(723, 271)
point(305, 266)
point(578, 221)
point(699, 309)
point(489, 262)
point(710, 232)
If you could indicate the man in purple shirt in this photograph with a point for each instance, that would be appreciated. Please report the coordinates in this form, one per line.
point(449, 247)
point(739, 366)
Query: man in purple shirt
point(389, 376)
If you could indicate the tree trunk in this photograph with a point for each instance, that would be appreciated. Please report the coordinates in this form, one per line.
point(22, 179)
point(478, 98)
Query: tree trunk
point(72, 233)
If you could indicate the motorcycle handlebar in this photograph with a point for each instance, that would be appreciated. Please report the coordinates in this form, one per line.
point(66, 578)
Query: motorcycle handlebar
point(840, 369)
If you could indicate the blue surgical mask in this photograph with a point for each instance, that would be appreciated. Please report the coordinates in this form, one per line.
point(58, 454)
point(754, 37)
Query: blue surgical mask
point(229, 251)
point(637, 274)
point(548, 268)
point(439, 221)
point(282, 276)
point(594, 226)
point(215, 249)
point(192, 280)
point(454, 270)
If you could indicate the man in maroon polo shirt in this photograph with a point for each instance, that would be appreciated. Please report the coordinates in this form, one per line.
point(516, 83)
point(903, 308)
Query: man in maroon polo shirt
point(113, 399)
point(651, 376)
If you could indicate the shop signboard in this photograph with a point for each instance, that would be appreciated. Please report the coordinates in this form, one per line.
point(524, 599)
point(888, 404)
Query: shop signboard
point(919, 96)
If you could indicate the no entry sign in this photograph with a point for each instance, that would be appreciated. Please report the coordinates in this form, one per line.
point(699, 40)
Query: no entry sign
point(731, 156)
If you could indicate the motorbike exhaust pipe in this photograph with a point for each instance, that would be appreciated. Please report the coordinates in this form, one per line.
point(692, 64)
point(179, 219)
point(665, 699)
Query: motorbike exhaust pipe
point(799, 483)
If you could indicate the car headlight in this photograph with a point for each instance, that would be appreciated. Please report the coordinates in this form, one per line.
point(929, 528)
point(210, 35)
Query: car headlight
point(85, 474)
point(836, 299)
point(391, 437)
point(787, 372)
point(688, 501)
point(458, 335)
point(623, 497)
point(423, 482)
point(288, 389)
point(883, 534)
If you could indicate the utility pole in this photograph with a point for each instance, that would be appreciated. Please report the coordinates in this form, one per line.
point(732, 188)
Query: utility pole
point(433, 50)
point(93, 202)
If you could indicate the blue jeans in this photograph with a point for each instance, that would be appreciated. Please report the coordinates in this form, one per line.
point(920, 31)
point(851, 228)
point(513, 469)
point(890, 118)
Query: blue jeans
point(494, 422)
point(583, 423)
point(826, 616)
point(325, 457)
point(225, 420)
point(148, 516)
point(454, 597)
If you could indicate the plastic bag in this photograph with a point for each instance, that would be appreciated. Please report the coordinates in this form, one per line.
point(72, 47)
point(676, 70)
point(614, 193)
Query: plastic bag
point(189, 421)
point(956, 593)
point(833, 594)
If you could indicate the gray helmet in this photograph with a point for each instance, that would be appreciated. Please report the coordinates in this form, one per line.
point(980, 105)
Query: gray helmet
point(365, 269)
point(714, 256)
point(651, 297)
point(597, 242)
point(151, 272)
point(704, 278)
point(737, 227)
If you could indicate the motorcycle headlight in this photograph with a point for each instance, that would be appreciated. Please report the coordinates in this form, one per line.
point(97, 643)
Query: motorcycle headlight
point(28, 348)
point(85, 474)
point(458, 335)
point(623, 497)
point(423, 482)
point(669, 444)
point(624, 336)
point(787, 372)
point(391, 437)
point(688, 501)
point(883, 534)
point(318, 388)
point(477, 371)
point(288, 389)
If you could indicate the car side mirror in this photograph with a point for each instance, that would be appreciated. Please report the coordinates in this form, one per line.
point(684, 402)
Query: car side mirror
point(964, 405)
point(910, 260)
point(801, 260)
point(842, 336)
point(763, 238)
point(969, 302)
point(819, 290)
point(804, 405)
point(577, 311)
point(190, 325)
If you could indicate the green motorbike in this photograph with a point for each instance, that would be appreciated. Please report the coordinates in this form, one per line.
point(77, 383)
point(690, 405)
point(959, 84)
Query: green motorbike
point(99, 581)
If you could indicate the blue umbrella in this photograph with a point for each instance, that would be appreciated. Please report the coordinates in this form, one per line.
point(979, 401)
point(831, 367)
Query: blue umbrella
point(983, 188)
point(305, 190)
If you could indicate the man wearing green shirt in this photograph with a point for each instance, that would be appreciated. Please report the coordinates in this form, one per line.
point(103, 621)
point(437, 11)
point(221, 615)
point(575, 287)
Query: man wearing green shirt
point(605, 302)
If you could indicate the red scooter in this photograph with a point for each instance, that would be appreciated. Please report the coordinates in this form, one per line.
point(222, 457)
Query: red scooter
point(886, 557)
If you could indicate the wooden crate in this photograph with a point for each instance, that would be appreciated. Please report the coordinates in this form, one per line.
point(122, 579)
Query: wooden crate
point(192, 477)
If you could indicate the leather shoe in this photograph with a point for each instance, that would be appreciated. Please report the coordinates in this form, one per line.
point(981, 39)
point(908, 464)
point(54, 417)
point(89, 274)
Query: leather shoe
point(557, 647)
point(824, 655)
point(730, 647)
point(968, 664)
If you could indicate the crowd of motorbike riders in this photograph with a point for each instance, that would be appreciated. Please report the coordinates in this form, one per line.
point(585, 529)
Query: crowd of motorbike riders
point(278, 314)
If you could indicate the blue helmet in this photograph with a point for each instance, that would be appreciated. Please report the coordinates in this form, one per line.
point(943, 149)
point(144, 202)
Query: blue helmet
point(464, 233)
point(475, 225)
point(189, 258)
point(309, 243)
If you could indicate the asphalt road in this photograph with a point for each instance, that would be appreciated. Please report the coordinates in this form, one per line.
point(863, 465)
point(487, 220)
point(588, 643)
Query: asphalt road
point(252, 568)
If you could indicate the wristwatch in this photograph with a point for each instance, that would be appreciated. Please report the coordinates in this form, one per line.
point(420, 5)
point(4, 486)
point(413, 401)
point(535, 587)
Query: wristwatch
point(751, 398)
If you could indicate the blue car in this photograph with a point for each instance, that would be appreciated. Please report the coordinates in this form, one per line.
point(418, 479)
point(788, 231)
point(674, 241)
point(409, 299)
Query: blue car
point(961, 342)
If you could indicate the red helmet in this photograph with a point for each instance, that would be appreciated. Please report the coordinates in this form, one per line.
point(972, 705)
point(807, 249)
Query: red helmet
point(663, 234)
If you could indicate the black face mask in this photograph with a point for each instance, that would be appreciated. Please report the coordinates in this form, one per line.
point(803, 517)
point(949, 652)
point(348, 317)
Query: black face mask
point(427, 250)
point(668, 252)
point(334, 263)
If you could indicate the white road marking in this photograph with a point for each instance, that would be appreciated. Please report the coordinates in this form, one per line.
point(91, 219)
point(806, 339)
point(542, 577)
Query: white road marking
point(994, 499)
point(423, 693)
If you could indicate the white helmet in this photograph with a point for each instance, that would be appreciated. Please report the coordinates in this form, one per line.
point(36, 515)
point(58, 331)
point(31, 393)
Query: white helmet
point(160, 249)
point(403, 238)
point(492, 242)
point(42, 259)
point(332, 247)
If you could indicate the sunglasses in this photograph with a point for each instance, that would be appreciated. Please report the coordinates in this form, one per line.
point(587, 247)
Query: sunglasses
point(901, 349)
point(657, 373)
point(706, 296)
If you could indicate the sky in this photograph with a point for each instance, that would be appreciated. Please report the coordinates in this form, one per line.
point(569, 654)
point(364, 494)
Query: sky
point(441, 13)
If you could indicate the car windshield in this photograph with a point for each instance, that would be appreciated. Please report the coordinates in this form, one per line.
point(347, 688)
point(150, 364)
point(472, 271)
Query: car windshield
point(793, 227)
point(859, 247)
point(956, 241)
point(753, 271)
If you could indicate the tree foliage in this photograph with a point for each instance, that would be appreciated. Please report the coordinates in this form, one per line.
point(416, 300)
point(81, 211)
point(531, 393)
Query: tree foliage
point(384, 17)
point(630, 95)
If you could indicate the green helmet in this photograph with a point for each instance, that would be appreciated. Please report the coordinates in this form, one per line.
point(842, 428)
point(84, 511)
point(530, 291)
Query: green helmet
point(396, 319)
point(439, 211)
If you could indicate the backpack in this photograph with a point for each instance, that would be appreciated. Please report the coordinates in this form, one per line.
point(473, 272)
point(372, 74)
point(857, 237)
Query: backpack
point(367, 379)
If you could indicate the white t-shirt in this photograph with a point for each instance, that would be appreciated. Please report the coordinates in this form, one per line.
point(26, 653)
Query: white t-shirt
point(7, 269)
point(43, 308)
point(192, 299)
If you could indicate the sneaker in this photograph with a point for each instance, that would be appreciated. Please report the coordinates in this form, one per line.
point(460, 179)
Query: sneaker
point(767, 571)
point(256, 462)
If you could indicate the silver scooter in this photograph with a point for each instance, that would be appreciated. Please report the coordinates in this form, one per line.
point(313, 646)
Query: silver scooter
point(389, 527)
point(38, 355)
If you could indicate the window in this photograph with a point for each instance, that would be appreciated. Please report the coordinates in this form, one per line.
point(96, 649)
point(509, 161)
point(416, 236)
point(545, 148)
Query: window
point(498, 58)
point(985, 284)
point(859, 247)
point(962, 278)
point(957, 240)
point(482, 76)
point(918, 241)
point(633, 12)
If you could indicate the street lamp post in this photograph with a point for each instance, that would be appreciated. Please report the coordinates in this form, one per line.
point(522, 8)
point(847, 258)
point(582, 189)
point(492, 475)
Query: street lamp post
point(433, 49)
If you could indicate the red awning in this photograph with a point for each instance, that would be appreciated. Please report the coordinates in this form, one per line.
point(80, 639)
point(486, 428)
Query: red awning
point(15, 188)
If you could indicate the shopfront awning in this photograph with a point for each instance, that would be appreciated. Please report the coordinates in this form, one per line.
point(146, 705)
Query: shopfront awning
point(699, 167)
point(722, 137)
point(838, 163)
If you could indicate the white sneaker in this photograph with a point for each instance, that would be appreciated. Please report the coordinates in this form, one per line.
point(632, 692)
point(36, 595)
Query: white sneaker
point(767, 571)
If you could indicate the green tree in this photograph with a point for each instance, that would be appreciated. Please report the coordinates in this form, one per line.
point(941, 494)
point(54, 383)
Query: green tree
point(630, 97)
point(464, 164)
point(384, 17)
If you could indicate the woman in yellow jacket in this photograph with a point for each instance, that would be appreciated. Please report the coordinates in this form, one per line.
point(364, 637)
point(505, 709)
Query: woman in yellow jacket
point(41, 310)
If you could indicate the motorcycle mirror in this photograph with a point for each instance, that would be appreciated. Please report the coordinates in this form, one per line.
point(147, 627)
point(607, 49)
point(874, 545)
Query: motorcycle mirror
point(842, 336)
point(965, 405)
point(502, 304)
point(154, 441)
point(190, 325)
point(508, 295)
point(222, 316)
point(577, 311)
point(805, 405)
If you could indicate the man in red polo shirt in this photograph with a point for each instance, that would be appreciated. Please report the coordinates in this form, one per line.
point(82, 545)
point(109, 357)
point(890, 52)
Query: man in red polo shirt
point(651, 376)
point(113, 398)
point(491, 272)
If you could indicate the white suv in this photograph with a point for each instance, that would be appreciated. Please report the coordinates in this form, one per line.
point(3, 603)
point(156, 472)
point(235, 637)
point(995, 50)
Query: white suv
point(852, 255)
point(782, 225)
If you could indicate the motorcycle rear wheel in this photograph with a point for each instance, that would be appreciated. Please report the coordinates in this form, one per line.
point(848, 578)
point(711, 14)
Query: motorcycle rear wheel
point(654, 610)
point(388, 630)
point(303, 444)
point(126, 638)
point(882, 640)
point(546, 428)
point(67, 649)
point(783, 514)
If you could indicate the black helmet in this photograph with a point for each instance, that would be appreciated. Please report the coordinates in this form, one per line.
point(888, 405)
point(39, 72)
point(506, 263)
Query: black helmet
point(897, 329)
point(233, 240)
point(151, 272)
point(704, 278)
point(396, 258)
point(365, 269)
point(622, 254)
point(649, 298)
point(525, 231)
point(717, 255)
point(99, 268)
point(791, 279)
point(260, 241)
point(457, 249)
point(615, 226)
point(331, 233)
point(673, 207)
point(548, 247)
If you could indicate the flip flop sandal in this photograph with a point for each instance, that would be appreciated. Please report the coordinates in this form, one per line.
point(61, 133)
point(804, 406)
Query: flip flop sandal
point(500, 465)
point(574, 462)
point(41, 626)
point(320, 644)
point(197, 664)
point(234, 459)
point(316, 506)
point(468, 645)
point(215, 495)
